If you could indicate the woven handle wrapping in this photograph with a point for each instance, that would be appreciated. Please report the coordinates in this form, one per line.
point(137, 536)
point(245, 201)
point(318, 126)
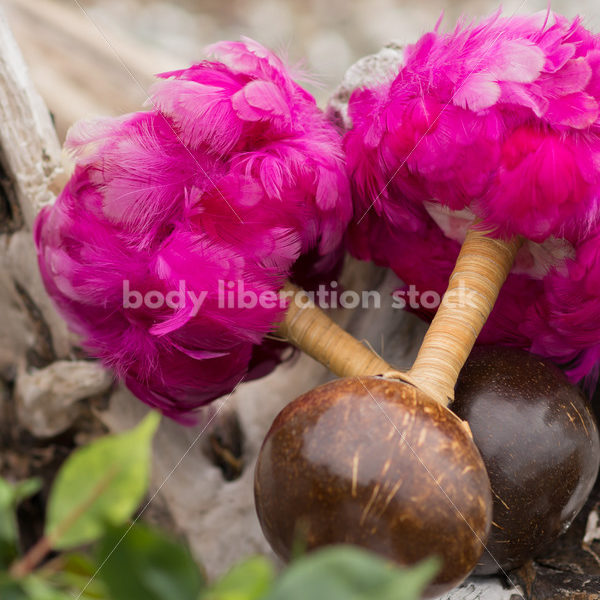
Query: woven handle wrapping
point(480, 272)
point(308, 328)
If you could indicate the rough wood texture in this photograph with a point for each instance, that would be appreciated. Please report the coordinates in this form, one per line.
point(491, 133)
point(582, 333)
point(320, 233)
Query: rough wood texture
point(62, 44)
point(31, 333)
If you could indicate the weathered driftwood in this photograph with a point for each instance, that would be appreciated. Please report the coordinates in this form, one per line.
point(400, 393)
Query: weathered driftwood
point(79, 68)
point(31, 333)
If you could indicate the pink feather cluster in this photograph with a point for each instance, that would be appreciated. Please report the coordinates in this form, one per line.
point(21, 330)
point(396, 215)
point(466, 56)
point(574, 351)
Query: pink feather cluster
point(232, 176)
point(496, 122)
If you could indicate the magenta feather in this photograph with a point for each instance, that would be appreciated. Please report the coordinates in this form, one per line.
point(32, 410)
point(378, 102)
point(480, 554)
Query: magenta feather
point(499, 119)
point(233, 175)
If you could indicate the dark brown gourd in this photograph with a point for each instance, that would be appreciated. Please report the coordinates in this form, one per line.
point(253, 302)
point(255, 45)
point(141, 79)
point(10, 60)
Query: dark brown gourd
point(539, 441)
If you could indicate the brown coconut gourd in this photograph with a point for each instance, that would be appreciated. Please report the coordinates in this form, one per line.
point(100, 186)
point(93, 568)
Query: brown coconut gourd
point(539, 441)
point(379, 464)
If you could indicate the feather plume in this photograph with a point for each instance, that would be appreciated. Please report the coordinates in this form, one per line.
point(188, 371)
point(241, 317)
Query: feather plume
point(232, 175)
point(500, 119)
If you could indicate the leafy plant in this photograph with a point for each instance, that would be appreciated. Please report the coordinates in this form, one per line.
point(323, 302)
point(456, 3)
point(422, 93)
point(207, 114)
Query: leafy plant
point(10, 497)
point(100, 484)
point(92, 551)
point(347, 573)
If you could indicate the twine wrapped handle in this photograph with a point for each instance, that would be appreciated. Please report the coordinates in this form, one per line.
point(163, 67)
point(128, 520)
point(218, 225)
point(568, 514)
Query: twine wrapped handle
point(308, 328)
point(480, 271)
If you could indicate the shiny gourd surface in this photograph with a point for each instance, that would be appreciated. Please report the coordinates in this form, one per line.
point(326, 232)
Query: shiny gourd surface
point(375, 463)
point(539, 441)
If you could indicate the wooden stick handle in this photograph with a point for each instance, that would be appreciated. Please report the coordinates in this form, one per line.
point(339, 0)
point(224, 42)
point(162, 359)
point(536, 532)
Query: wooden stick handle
point(480, 271)
point(312, 331)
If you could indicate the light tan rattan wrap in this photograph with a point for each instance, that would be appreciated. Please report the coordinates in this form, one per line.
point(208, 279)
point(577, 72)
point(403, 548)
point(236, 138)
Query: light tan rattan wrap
point(308, 328)
point(480, 272)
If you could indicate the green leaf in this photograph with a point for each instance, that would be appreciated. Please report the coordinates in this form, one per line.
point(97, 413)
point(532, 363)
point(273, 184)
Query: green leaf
point(138, 563)
point(99, 485)
point(38, 589)
point(249, 580)
point(10, 497)
point(25, 489)
point(29, 588)
point(347, 573)
point(11, 589)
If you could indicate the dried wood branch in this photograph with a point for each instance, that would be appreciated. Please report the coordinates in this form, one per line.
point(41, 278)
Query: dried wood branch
point(31, 332)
